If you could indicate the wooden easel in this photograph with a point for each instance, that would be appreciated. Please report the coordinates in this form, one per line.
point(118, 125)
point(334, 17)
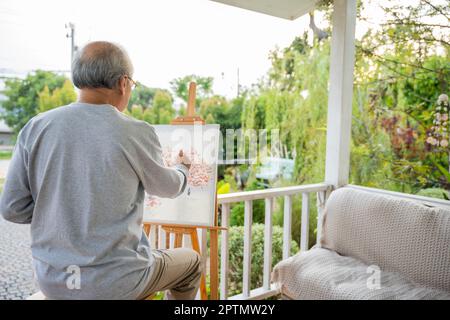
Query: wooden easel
point(191, 230)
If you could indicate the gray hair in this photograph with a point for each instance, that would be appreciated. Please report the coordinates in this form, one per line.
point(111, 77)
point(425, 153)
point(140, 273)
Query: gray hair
point(100, 64)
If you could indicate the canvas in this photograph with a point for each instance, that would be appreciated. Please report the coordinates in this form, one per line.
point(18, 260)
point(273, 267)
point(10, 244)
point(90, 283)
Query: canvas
point(196, 206)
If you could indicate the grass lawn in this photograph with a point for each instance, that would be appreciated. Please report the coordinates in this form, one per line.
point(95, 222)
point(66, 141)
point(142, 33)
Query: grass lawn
point(5, 155)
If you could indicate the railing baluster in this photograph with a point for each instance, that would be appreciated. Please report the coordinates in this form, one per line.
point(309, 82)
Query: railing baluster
point(224, 256)
point(172, 240)
point(247, 248)
point(267, 243)
point(162, 238)
point(203, 235)
point(152, 237)
point(304, 235)
point(287, 227)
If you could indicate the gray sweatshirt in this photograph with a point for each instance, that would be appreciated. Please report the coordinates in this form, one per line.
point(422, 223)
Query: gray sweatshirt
point(78, 175)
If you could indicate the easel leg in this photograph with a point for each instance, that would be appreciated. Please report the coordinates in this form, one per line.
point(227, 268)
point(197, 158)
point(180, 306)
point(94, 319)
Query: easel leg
point(196, 247)
point(167, 239)
point(147, 229)
point(178, 240)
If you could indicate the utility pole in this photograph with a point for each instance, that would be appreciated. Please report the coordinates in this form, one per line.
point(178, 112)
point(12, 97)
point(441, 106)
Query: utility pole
point(71, 35)
point(238, 85)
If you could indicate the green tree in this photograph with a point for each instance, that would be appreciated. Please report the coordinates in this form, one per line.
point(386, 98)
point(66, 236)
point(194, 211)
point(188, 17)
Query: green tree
point(401, 69)
point(402, 66)
point(294, 101)
point(137, 112)
point(160, 112)
point(180, 87)
point(143, 96)
point(162, 107)
point(23, 96)
point(59, 97)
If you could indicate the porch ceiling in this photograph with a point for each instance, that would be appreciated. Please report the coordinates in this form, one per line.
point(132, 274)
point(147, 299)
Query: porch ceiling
point(287, 9)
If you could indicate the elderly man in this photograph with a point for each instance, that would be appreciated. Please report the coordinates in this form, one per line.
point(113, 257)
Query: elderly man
point(78, 176)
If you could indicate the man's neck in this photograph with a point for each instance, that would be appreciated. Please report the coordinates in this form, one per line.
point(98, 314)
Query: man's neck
point(96, 96)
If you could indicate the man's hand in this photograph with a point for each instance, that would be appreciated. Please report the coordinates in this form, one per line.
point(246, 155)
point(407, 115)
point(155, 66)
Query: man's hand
point(184, 159)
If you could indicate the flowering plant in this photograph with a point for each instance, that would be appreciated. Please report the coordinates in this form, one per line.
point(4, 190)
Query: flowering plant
point(438, 135)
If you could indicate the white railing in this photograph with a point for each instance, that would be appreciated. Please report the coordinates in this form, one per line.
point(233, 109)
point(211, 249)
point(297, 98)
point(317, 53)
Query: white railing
point(225, 200)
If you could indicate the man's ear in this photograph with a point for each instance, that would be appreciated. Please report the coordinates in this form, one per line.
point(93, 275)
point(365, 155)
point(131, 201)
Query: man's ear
point(122, 85)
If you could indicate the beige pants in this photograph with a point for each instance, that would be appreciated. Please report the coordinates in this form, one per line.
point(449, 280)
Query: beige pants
point(176, 270)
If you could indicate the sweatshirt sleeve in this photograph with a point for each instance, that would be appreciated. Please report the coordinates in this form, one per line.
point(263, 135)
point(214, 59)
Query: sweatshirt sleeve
point(16, 201)
point(147, 162)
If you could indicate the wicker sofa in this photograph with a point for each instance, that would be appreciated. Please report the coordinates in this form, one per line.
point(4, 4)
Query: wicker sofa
point(372, 247)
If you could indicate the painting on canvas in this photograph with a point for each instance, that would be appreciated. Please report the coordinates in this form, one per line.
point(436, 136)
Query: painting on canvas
point(196, 205)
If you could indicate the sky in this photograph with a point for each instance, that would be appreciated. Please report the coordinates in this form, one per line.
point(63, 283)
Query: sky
point(165, 39)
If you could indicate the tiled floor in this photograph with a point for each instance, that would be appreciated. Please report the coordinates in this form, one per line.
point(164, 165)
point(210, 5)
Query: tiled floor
point(16, 273)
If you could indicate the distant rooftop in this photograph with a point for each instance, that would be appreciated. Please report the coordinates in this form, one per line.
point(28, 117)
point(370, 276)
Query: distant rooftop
point(4, 127)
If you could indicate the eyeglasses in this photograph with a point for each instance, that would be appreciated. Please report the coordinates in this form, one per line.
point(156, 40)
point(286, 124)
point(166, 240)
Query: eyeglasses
point(133, 83)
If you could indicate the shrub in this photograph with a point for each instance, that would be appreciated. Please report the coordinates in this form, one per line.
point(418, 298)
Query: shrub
point(236, 252)
point(237, 211)
point(434, 193)
point(278, 217)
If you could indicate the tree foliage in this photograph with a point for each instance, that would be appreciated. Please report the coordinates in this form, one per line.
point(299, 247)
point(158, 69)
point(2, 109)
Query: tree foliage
point(161, 111)
point(59, 97)
point(180, 87)
point(23, 96)
point(402, 66)
point(142, 96)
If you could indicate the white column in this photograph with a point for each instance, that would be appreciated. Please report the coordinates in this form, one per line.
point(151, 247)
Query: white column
point(340, 95)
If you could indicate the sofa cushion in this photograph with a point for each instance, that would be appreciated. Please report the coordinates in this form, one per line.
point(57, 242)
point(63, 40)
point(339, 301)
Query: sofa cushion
point(323, 274)
point(397, 235)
